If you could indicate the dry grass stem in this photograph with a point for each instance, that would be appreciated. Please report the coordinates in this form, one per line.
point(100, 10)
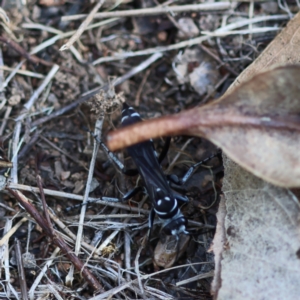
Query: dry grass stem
point(98, 129)
point(23, 72)
point(113, 202)
point(200, 276)
point(82, 27)
point(214, 6)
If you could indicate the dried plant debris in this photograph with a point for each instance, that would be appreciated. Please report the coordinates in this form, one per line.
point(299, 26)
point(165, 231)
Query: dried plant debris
point(164, 58)
point(169, 250)
point(263, 233)
point(198, 69)
point(106, 101)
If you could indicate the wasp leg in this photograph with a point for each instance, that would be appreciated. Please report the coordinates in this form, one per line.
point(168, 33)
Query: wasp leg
point(165, 150)
point(151, 221)
point(133, 192)
point(192, 169)
point(179, 197)
point(115, 160)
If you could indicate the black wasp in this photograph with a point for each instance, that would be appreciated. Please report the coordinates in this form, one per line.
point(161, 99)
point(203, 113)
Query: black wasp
point(164, 199)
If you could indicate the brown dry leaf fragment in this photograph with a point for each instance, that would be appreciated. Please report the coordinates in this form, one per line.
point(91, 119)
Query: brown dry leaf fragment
point(198, 69)
point(263, 232)
point(79, 185)
point(187, 28)
point(52, 2)
point(166, 253)
point(257, 125)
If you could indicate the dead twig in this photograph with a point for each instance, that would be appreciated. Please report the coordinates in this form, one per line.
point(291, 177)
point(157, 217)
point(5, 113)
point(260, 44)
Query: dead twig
point(156, 10)
point(21, 272)
point(82, 27)
point(113, 202)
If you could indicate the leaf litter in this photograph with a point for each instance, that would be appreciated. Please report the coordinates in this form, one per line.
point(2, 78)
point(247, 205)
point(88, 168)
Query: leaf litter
point(112, 244)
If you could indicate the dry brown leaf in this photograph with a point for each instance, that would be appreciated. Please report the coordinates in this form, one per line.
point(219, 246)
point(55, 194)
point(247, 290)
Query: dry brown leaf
point(257, 125)
point(166, 253)
point(263, 233)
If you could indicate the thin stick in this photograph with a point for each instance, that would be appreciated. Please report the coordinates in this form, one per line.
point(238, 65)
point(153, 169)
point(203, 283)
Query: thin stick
point(12, 44)
point(246, 31)
point(46, 215)
point(36, 94)
point(5, 119)
point(21, 272)
point(155, 10)
point(127, 250)
point(4, 248)
point(64, 152)
point(149, 51)
point(195, 278)
point(23, 72)
point(98, 128)
point(8, 233)
point(30, 57)
point(82, 27)
point(11, 75)
point(178, 155)
point(15, 149)
point(103, 201)
point(137, 269)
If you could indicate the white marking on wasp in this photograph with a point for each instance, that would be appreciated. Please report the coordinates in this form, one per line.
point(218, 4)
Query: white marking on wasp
point(174, 232)
point(167, 198)
point(178, 231)
point(135, 114)
point(175, 205)
point(159, 202)
point(124, 118)
point(160, 213)
point(158, 189)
